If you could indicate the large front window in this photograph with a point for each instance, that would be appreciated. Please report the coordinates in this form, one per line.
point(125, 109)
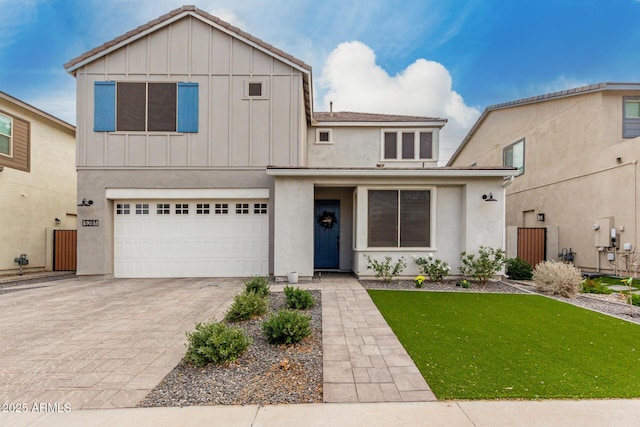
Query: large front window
point(399, 218)
point(6, 125)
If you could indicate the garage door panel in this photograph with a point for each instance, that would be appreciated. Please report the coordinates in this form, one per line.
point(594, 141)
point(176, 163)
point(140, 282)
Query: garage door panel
point(191, 245)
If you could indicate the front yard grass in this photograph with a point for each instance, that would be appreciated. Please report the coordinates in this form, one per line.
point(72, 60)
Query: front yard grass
point(506, 346)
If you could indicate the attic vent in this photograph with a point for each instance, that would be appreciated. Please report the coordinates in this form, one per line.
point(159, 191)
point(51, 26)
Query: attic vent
point(255, 89)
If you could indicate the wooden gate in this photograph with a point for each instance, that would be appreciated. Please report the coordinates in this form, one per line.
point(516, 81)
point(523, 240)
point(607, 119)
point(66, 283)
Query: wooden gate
point(532, 245)
point(65, 250)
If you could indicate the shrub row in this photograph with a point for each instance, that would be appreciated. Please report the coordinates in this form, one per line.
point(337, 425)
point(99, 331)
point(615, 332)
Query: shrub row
point(219, 343)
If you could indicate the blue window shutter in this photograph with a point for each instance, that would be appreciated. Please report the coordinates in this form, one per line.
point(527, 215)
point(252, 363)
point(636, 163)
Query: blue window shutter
point(104, 107)
point(187, 107)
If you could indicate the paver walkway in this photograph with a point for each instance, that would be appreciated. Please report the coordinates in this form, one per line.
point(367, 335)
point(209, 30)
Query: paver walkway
point(363, 359)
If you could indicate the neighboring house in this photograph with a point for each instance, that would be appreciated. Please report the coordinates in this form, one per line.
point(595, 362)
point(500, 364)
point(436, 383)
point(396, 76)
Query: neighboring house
point(37, 183)
point(577, 152)
point(201, 153)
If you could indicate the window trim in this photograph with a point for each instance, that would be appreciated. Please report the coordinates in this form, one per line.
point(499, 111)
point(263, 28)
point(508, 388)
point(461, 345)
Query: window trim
point(11, 125)
point(629, 133)
point(511, 146)
point(323, 130)
point(416, 145)
point(432, 219)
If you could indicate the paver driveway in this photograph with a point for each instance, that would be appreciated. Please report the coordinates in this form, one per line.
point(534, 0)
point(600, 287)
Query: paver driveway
point(99, 344)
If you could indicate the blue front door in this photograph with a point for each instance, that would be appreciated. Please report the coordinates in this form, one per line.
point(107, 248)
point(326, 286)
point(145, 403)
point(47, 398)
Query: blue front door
point(327, 234)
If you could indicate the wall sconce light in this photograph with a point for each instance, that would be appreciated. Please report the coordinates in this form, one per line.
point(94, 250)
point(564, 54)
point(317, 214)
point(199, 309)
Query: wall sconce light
point(57, 220)
point(540, 217)
point(86, 202)
point(488, 197)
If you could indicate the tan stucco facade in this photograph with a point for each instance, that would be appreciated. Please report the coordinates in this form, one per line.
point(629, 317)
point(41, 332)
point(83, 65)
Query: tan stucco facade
point(578, 168)
point(32, 200)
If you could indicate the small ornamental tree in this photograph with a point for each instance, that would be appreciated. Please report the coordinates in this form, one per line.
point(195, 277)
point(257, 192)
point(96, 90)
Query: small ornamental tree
point(484, 265)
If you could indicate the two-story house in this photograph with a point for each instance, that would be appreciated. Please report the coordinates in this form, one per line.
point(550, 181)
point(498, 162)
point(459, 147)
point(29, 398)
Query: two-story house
point(199, 154)
point(37, 184)
point(577, 154)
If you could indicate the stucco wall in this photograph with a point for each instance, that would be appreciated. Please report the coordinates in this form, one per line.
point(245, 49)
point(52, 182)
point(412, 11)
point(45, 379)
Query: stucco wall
point(578, 168)
point(358, 147)
point(32, 200)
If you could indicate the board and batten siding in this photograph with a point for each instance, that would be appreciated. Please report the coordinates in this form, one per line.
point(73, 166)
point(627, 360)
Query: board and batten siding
point(233, 130)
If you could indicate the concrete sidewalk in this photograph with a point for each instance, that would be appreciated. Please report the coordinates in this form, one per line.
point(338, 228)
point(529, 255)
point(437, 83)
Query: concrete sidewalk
point(583, 413)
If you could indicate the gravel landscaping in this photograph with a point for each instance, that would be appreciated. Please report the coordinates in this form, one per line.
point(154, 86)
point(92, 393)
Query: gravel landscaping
point(264, 374)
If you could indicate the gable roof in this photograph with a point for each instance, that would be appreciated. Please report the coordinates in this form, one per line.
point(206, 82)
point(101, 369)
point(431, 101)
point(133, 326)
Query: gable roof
point(353, 118)
point(215, 22)
point(598, 87)
point(37, 111)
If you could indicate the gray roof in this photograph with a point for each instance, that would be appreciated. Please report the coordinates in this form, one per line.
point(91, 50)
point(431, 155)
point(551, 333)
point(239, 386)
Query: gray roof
point(597, 87)
point(349, 116)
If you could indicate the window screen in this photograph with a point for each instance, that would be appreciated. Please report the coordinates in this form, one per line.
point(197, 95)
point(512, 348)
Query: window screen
point(383, 218)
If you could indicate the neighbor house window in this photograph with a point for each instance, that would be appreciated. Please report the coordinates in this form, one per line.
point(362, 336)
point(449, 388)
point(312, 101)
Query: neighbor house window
point(407, 145)
point(145, 107)
point(6, 132)
point(399, 218)
point(513, 155)
point(631, 117)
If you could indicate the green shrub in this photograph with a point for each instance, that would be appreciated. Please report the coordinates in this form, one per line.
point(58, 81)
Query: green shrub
point(434, 268)
point(298, 299)
point(245, 306)
point(488, 262)
point(286, 327)
point(557, 278)
point(635, 299)
point(518, 269)
point(257, 285)
point(215, 342)
point(385, 269)
point(590, 286)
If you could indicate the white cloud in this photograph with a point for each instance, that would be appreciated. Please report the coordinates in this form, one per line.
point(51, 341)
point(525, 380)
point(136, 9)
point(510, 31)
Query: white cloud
point(59, 102)
point(354, 82)
point(16, 18)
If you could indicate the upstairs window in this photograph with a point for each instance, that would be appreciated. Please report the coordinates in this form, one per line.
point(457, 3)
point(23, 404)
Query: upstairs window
point(513, 155)
point(145, 107)
point(631, 117)
point(407, 145)
point(6, 131)
point(255, 89)
point(323, 136)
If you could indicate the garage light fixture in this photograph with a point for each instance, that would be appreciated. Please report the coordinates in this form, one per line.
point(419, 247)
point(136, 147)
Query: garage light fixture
point(488, 197)
point(86, 202)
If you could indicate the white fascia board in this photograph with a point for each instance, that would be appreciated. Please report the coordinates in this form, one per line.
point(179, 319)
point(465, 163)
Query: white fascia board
point(403, 173)
point(186, 194)
point(380, 124)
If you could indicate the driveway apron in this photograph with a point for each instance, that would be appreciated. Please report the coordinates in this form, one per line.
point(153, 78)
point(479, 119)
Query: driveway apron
point(100, 344)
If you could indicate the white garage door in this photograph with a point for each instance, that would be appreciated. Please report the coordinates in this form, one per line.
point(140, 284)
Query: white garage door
point(191, 238)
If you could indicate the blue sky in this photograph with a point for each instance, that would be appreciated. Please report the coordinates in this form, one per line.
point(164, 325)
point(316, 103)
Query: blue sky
point(424, 57)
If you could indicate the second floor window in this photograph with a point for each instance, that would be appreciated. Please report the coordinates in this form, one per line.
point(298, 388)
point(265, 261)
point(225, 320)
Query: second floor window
point(407, 145)
point(145, 107)
point(631, 117)
point(5, 134)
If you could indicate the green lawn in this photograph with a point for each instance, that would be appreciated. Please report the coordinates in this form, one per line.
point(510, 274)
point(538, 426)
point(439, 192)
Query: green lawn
point(506, 346)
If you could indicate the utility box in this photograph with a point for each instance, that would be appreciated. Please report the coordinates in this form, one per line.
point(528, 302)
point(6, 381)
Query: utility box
point(602, 228)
